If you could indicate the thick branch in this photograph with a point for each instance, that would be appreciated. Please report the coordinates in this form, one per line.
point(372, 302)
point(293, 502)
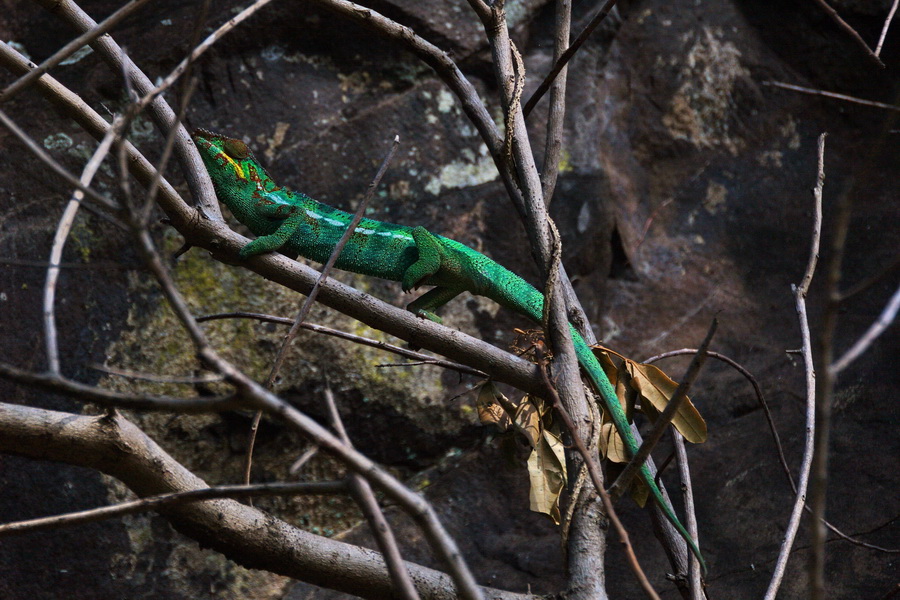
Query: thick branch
point(248, 536)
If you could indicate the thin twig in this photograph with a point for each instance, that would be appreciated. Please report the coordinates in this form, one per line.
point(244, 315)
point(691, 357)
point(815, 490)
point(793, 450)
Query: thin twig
point(311, 298)
point(835, 95)
point(168, 147)
point(111, 136)
point(567, 56)
point(557, 115)
point(166, 500)
point(188, 380)
point(111, 398)
point(326, 270)
point(481, 9)
point(66, 51)
point(623, 481)
point(803, 289)
point(800, 302)
point(777, 439)
point(186, 62)
point(66, 221)
point(883, 321)
point(850, 31)
point(357, 339)
point(887, 24)
point(304, 458)
point(690, 514)
point(48, 160)
point(597, 480)
point(365, 499)
point(189, 85)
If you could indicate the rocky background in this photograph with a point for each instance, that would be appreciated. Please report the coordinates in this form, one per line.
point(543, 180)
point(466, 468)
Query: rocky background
point(684, 195)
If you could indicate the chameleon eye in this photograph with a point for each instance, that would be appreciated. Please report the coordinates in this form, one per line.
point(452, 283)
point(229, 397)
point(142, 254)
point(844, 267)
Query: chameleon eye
point(236, 149)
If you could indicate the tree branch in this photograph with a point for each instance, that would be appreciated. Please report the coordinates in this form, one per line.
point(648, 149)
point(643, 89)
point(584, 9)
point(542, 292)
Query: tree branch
point(800, 301)
point(246, 535)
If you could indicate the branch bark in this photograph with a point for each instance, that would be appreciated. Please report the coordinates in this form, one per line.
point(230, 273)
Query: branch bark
point(246, 535)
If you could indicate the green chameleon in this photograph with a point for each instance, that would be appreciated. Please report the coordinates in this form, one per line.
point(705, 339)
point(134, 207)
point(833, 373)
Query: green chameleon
point(295, 224)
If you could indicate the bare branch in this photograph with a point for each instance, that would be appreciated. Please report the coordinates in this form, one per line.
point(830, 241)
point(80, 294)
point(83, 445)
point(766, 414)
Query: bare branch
point(868, 338)
point(809, 368)
point(567, 56)
point(835, 95)
point(690, 514)
point(187, 379)
point(167, 500)
point(427, 359)
point(66, 221)
point(850, 31)
point(817, 230)
point(557, 115)
point(116, 447)
point(825, 393)
point(304, 458)
point(110, 398)
point(381, 530)
point(69, 49)
point(171, 136)
point(887, 24)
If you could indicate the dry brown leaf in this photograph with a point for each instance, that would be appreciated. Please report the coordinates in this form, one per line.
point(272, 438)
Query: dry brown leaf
point(611, 444)
point(657, 389)
point(547, 475)
point(490, 411)
point(640, 493)
point(528, 421)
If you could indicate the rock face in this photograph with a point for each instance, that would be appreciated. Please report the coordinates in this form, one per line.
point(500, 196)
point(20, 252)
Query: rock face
point(683, 196)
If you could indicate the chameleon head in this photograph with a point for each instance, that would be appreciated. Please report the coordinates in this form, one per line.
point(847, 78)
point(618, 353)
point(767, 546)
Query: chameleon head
point(231, 165)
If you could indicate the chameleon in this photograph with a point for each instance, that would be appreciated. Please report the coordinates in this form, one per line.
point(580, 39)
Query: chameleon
point(294, 224)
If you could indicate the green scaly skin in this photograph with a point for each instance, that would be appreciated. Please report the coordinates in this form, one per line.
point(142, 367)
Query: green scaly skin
point(295, 224)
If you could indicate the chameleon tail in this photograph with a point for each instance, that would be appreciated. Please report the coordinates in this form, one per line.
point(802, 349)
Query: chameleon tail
point(611, 402)
point(508, 289)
